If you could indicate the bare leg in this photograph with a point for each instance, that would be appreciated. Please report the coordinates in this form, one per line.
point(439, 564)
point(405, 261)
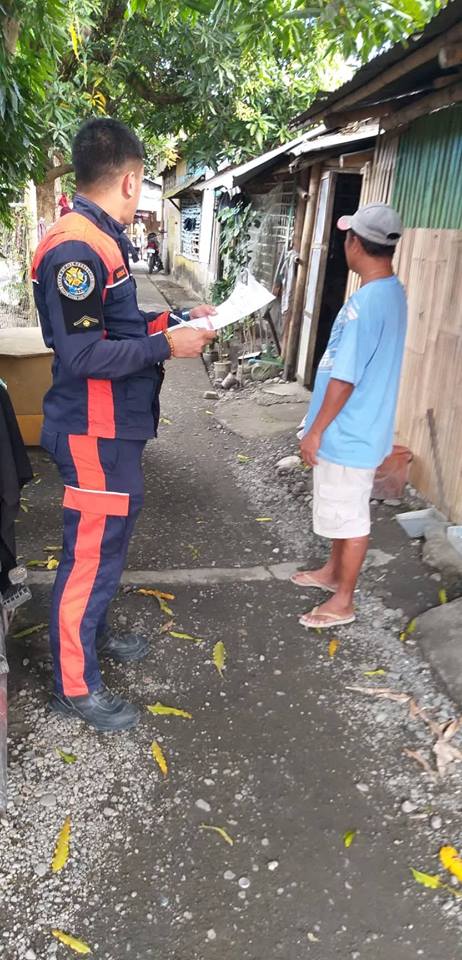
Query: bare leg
point(352, 554)
point(329, 574)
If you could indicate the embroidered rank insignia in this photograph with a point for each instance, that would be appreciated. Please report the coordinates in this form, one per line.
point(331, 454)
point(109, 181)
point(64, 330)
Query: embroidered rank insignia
point(75, 280)
point(86, 322)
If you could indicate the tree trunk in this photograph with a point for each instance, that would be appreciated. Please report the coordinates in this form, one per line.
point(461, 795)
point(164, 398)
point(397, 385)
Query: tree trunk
point(47, 198)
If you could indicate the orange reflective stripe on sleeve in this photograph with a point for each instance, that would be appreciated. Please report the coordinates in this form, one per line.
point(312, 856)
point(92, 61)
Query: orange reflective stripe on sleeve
point(159, 324)
point(101, 416)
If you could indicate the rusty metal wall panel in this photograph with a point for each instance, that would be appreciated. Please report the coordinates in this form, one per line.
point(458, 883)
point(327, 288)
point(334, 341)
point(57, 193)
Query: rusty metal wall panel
point(427, 189)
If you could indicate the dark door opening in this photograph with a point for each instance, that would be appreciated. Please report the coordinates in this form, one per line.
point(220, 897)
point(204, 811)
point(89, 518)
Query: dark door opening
point(346, 201)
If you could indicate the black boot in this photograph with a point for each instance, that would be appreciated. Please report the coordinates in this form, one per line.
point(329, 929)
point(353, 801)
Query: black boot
point(122, 647)
point(103, 710)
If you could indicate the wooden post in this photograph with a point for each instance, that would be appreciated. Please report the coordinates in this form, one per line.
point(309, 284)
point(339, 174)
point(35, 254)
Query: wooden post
point(302, 183)
point(300, 282)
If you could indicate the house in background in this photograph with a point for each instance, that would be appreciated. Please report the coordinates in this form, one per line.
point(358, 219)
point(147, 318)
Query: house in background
point(413, 92)
point(393, 133)
point(275, 184)
point(150, 205)
point(190, 250)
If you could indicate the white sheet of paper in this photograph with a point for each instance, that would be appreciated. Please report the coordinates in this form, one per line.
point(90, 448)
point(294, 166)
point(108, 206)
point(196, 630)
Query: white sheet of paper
point(244, 300)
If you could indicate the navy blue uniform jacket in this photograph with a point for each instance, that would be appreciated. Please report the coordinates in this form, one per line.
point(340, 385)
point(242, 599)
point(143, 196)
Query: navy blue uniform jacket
point(107, 369)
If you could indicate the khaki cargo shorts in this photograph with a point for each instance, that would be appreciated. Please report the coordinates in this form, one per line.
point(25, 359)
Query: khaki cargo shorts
point(341, 501)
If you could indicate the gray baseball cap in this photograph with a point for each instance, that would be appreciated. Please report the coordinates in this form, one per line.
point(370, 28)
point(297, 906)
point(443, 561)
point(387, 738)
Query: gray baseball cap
point(377, 222)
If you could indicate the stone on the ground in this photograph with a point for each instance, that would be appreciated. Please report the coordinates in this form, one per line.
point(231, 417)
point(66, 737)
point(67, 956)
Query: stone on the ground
point(438, 551)
point(438, 632)
point(288, 463)
point(230, 381)
point(211, 395)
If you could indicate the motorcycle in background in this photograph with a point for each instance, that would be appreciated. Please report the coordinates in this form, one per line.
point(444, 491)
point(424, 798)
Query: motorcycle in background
point(153, 254)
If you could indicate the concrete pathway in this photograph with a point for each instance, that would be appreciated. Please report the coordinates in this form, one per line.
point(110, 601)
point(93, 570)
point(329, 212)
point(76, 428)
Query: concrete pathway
point(280, 753)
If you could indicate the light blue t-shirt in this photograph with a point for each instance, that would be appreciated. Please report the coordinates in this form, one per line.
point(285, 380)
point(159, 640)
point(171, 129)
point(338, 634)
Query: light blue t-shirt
point(365, 348)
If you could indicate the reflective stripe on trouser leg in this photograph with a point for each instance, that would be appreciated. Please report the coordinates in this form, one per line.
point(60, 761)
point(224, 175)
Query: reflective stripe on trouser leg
point(97, 526)
point(87, 579)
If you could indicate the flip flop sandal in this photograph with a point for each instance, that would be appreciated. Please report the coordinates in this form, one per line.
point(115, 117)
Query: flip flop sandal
point(334, 620)
point(311, 582)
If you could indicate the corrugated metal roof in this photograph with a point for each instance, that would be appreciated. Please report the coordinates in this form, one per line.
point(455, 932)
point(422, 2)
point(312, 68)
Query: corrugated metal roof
point(315, 141)
point(449, 17)
point(341, 139)
point(233, 176)
point(182, 187)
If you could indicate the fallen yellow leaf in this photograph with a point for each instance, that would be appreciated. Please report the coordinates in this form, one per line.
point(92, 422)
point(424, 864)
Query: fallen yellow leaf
point(263, 519)
point(52, 563)
point(61, 854)
point(442, 596)
point(450, 859)
point(221, 832)
point(348, 838)
point(162, 710)
point(156, 593)
point(27, 632)
point(52, 546)
point(164, 420)
point(411, 626)
point(312, 938)
point(333, 647)
point(209, 413)
point(159, 758)
point(426, 879)
point(219, 656)
point(67, 757)
point(164, 607)
point(185, 636)
point(243, 458)
point(380, 672)
point(78, 945)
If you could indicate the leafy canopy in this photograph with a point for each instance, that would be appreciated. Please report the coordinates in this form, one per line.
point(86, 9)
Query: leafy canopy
point(225, 77)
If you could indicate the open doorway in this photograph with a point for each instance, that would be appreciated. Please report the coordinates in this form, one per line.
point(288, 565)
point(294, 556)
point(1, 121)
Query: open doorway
point(328, 273)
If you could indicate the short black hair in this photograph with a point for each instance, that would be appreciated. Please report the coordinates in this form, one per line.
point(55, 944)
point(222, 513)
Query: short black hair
point(101, 148)
point(375, 249)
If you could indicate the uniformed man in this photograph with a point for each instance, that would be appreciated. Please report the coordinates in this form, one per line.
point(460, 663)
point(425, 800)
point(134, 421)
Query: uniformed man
point(101, 409)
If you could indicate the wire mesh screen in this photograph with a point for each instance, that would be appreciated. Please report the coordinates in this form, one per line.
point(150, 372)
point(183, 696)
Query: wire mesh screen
point(271, 238)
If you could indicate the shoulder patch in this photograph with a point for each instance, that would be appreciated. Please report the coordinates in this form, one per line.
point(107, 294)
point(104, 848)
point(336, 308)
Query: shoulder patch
point(75, 280)
point(80, 297)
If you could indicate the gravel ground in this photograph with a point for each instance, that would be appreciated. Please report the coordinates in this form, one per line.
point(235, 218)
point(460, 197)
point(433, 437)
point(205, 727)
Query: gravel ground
point(281, 753)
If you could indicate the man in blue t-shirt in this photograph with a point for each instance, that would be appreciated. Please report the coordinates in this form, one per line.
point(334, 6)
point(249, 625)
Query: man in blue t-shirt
point(349, 427)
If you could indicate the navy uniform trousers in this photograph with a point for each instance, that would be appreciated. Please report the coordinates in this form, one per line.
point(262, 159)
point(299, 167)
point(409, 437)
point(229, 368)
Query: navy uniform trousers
point(103, 495)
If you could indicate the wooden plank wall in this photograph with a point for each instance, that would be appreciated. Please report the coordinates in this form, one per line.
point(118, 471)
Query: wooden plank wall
point(430, 266)
point(377, 185)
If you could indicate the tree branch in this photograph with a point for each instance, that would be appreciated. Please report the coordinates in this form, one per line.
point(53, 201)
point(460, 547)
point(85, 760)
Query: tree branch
point(54, 172)
point(158, 96)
